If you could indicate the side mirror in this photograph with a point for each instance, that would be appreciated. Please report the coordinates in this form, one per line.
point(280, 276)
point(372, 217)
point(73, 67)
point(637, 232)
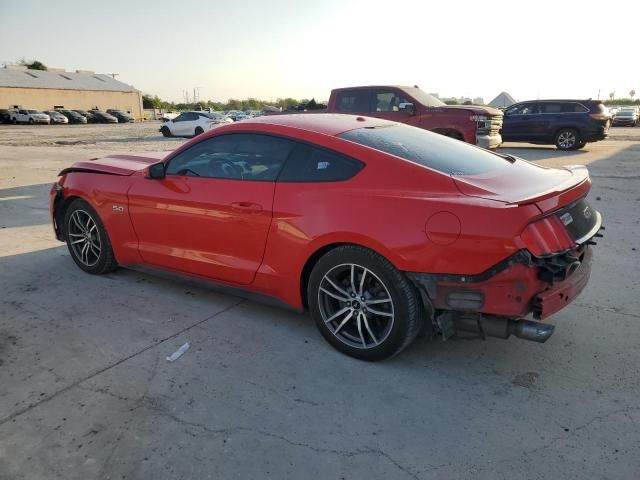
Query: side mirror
point(157, 171)
point(407, 107)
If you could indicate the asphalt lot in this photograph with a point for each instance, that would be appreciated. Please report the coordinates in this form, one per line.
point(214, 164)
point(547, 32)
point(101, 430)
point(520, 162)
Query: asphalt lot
point(86, 391)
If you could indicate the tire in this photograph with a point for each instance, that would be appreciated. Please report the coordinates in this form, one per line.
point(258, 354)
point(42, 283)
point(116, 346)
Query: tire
point(31, 121)
point(198, 131)
point(14, 121)
point(79, 219)
point(567, 139)
point(358, 331)
point(165, 132)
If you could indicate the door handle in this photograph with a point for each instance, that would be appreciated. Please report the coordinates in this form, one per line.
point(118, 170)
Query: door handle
point(248, 207)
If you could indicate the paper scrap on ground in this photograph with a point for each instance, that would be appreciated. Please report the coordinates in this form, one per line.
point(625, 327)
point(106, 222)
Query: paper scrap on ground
point(178, 353)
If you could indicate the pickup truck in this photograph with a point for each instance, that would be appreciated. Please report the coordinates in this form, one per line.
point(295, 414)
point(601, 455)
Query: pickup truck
point(474, 124)
point(29, 116)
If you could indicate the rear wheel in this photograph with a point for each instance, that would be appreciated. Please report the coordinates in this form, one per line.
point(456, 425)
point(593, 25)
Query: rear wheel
point(165, 131)
point(362, 304)
point(87, 239)
point(567, 139)
point(198, 131)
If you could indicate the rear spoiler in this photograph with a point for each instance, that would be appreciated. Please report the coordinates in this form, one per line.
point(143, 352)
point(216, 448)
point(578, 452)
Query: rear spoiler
point(562, 194)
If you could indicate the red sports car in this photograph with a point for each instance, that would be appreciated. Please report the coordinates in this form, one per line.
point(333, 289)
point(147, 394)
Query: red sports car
point(379, 229)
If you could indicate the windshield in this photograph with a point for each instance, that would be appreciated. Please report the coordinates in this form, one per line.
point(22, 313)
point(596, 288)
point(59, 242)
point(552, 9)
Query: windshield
point(626, 113)
point(429, 149)
point(32, 111)
point(424, 98)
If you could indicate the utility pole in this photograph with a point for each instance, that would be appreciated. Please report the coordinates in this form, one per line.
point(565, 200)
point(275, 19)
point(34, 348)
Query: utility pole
point(114, 75)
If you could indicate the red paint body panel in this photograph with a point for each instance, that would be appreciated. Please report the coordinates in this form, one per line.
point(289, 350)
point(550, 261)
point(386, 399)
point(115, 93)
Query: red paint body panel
point(182, 226)
point(260, 235)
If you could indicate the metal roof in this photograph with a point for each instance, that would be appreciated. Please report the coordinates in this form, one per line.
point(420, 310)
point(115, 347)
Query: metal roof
point(24, 78)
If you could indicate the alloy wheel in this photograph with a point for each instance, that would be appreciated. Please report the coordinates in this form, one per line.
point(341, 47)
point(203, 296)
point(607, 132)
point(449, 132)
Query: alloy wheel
point(84, 238)
point(566, 140)
point(356, 306)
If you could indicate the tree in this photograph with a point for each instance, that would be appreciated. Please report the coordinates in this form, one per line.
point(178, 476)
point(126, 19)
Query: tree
point(32, 64)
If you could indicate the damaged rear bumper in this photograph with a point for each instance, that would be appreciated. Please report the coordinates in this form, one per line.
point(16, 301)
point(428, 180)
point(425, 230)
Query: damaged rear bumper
point(516, 287)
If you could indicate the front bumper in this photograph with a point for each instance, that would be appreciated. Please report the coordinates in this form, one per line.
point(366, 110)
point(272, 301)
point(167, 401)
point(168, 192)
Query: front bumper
point(490, 141)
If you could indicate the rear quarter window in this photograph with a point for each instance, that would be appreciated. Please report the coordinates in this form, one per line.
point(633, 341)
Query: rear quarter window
point(311, 164)
point(352, 101)
point(444, 154)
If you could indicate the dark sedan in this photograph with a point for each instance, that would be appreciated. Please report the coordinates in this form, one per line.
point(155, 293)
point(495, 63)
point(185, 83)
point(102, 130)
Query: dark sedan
point(123, 117)
point(73, 116)
point(626, 118)
point(101, 117)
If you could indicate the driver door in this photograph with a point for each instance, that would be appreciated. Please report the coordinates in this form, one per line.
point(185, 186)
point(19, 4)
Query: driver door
point(385, 104)
point(180, 124)
point(211, 214)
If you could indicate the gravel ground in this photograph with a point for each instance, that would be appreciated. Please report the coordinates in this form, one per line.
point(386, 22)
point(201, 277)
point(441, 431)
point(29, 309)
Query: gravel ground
point(86, 391)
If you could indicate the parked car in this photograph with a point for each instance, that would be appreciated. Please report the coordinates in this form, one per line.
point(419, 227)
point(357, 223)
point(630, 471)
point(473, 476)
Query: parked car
point(29, 116)
point(123, 117)
point(627, 118)
point(567, 124)
point(613, 110)
point(473, 124)
point(233, 114)
point(5, 115)
point(73, 116)
point(168, 116)
point(378, 228)
point(85, 114)
point(56, 117)
point(190, 124)
point(101, 117)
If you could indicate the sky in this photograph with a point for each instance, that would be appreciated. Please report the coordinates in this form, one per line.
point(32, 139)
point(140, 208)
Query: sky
point(272, 49)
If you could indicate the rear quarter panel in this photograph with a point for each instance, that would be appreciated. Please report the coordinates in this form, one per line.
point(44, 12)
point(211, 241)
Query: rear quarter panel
point(366, 210)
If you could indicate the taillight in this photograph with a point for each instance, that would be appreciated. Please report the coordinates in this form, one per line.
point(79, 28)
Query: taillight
point(600, 116)
point(546, 236)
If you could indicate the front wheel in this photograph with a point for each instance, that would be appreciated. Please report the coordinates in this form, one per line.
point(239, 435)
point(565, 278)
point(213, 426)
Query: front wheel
point(362, 304)
point(198, 131)
point(87, 239)
point(165, 132)
point(567, 139)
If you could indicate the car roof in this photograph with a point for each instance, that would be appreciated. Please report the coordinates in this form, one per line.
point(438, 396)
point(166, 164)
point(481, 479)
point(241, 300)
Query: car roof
point(325, 123)
point(563, 100)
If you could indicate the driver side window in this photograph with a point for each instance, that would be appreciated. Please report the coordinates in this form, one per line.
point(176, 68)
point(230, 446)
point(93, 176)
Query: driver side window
point(236, 156)
point(523, 109)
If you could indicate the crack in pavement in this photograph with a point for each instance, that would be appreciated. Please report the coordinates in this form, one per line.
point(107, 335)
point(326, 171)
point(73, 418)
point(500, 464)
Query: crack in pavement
point(230, 430)
point(102, 370)
point(554, 440)
point(606, 309)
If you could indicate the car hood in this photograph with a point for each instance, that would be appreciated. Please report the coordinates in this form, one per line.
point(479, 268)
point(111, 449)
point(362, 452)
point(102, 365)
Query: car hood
point(522, 182)
point(117, 164)
point(476, 109)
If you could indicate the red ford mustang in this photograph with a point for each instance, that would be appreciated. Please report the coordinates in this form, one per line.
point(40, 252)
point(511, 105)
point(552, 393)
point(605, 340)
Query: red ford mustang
point(377, 228)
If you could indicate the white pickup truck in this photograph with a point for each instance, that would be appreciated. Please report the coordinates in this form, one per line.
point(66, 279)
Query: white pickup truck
point(29, 116)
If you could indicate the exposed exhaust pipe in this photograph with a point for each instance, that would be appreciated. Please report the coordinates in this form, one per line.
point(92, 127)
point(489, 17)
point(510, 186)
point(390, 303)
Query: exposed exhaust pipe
point(503, 328)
